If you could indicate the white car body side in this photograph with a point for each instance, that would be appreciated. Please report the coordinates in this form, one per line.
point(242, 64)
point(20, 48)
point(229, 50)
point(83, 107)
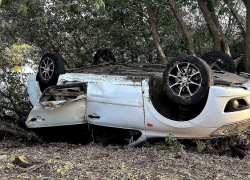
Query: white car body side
point(122, 102)
point(33, 89)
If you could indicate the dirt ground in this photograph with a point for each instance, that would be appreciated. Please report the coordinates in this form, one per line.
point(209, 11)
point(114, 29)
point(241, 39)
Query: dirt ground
point(94, 161)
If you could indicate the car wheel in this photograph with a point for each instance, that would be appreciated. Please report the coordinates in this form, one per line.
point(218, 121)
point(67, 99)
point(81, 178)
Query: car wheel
point(187, 79)
point(219, 61)
point(104, 55)
point(50, 67)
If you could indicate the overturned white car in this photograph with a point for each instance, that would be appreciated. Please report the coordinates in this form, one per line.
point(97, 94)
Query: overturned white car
point(184, 98)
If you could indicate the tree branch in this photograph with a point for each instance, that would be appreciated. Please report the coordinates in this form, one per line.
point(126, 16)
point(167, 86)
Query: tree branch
point(211, 25)
point(155, 33)
point(183, 27)
point(138, 11)
point(19, 132)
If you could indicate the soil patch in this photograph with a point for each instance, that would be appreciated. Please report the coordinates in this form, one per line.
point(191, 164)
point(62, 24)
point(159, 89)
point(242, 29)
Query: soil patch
point(94, 161)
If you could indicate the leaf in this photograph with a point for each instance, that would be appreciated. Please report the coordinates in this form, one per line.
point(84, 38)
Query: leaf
point(9, 164)
point(25, 9)
point(74, 8)
point(40, 19)
point(68, 165)
point(12, 158)
point(177, 5)
point(98, 4)
point(223, 11)
point(169, 139)
point(123, 166)
point(199, 148)
point(209, 146)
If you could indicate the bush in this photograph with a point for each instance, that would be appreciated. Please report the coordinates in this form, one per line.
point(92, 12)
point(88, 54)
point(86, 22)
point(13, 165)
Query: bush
point(13, 96)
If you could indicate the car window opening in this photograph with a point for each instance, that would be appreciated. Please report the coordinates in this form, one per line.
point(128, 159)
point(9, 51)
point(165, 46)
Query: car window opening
point(64, 93)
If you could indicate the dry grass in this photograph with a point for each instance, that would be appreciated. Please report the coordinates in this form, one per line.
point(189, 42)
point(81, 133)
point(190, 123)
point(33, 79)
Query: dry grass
point(93, 161)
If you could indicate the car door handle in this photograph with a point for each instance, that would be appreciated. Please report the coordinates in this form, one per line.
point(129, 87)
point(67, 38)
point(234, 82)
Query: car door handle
point(94, 116)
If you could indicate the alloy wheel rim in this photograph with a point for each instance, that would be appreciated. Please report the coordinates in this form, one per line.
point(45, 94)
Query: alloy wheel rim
point(217, 64)
point(184, 79)
point(47, 68)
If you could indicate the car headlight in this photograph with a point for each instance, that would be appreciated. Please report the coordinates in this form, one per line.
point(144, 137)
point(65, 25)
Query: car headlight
point(232, 129)
point(236, 104)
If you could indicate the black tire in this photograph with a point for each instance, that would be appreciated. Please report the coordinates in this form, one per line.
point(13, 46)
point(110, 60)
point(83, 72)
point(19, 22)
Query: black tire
point(219, 61)
point(103, 55)
point(50, 67)
point(187, 79)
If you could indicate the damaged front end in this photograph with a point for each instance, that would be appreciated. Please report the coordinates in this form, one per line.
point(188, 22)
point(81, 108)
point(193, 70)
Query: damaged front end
point(60, 105)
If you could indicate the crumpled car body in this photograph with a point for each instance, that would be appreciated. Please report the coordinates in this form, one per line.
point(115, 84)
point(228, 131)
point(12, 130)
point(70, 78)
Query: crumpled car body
point(131, 102)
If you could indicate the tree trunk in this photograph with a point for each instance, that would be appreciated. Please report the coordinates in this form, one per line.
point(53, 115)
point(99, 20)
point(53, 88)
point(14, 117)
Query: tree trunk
point(225, 45)
point(211, 25)
point(178, 17)
point(155, 33)
point(247, 38)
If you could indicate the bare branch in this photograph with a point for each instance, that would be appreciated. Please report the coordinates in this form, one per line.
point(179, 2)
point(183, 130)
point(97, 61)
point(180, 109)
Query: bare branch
point(138, 11)
point(155, 33)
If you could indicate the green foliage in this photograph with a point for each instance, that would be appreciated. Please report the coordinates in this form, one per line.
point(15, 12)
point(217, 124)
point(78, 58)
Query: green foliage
point(236, 47)
point(173, 144)
point(223, 11)
point(34, 137)
point(80, 29)
point(23, 9)
point(13, 95)
point(202, 146)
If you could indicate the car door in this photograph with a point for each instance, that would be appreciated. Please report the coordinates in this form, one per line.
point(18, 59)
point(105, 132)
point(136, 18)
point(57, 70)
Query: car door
point(59, 106)
point(115, 102)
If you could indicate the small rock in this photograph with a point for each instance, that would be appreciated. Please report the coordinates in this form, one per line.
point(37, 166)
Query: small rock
point(178, 157)
point(3, 158)
point(57, 157)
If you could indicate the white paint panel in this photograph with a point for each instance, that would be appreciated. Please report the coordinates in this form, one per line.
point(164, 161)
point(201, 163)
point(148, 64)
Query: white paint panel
point(109, 92)
point(115, 115)
point(71, 114)
point(94, 78)
point(33, 89)
point(163, 126)
point(201, 126)
point(231, 91)
point(116, 104)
